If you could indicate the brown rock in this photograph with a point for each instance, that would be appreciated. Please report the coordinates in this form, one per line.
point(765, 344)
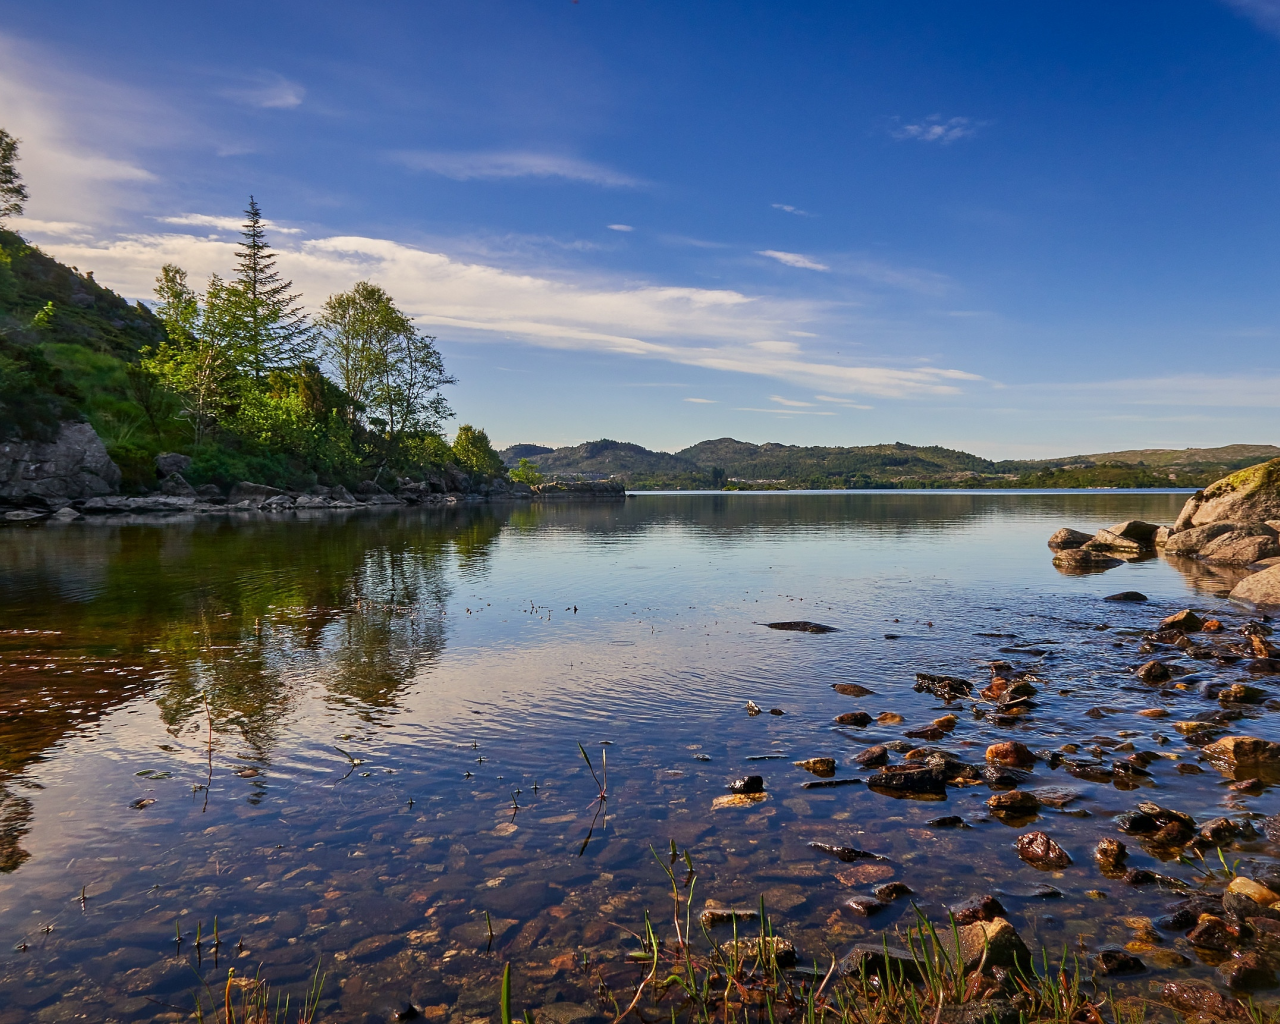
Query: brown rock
point(1154, 672)
point(858, 718)
point(1137, 531)
point(977, 908)
point(1245, 751)
point(1014, 801)
point(774, 947)
point(1203, 1001)
point(1038, 850)
point(1259, 592)
point(927, 732)
point(994, 943)
point(1066, 539)
point(1249, 494)
point(1079, 561)
point(1246, 971)
point(1185, 621)
point(1234, 549)
point(1255, 891)
point(1210, 932)
point(824, 767)
point(873, 757)
point(864, 906)
point(1189, 542)
point(1105, 540)
point(1010, 752)
point(1110, 855)
point(851, 690)
point(1117, 961)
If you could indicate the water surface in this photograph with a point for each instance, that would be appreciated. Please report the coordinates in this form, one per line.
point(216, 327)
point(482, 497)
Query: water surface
point(347, 738)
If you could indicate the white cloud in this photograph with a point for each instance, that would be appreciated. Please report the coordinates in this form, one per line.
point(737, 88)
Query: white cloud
point(802, 334)
point(935, 129)
point(842, 401)
point(786, 412)
point(792, 259)
point(621, 227)
point(717, 329)
point(784, 347)
point(204, 220)
point(702, 401)
point(269, 91)
point(492, 166)
point(790, 402)
point(792, 209)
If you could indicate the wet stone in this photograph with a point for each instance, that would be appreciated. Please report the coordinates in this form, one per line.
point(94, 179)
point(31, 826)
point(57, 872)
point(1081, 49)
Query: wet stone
point(873, 757)
point(1040, 851)
point(747, 784)
point(977, 908)
point(1117, 961)
point(1246, 971)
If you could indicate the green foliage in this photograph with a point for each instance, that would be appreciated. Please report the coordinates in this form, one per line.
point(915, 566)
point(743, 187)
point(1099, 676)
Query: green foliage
point(137, 466)
point(473, 452)
point(13, 194)
point(43, 320)
point(526, 473)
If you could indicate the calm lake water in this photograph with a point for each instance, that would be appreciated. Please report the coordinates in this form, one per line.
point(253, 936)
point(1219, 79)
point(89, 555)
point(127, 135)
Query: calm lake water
point(346, 739)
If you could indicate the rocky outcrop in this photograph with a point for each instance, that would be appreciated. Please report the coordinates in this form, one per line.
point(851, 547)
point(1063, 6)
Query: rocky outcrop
point(168, 463)
point(581, 490)
point(1259, 592)
point(1251, 494)
point(50, 475)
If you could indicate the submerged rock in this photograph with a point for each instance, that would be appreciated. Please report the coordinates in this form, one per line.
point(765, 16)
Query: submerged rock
point(852, 690)
point(1246, 971)
point(747, 784)
point(1117, 961)
point(774, 947)
point(1202, 1000)
point(1127, 595)
point(802, 626)
point(847, 854)
point(977, 908)
point(1011, 752)
point(946, 687)
point(1111, 855)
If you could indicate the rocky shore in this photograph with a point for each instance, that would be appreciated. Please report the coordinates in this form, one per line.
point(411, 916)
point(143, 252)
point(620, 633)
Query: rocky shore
point(1234, 523)
point(73, 478)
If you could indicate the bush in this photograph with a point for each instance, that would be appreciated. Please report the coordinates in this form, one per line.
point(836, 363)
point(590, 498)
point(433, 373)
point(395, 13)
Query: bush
point(473, 452)
point(526, 473)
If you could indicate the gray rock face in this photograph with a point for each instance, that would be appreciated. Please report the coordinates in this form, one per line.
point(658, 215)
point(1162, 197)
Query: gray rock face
point(246, 491)
point(1251, 494)
point(52, 474)
point(176, 485)
point(1235, 549)
point(168, 463)
point(1261, 591)
point(1191, 540)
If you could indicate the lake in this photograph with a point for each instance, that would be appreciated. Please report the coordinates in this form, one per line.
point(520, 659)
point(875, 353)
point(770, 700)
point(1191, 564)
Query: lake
point(354, 741)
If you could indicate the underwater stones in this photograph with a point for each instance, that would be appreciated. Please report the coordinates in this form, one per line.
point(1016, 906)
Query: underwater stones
point(873, 757)
point(1202, 1000)
point(1011, 753)
point(1127, 595)
point(852, 690)
point(860, 719)
point(847, 854)
point(747, 784)
point(1154, 672)
point(716, 914)
point(774, 947)
point(890, 891)
point(863, 906)
point(1116, 961)
point(1211, 932)
point(1246, 971)
point(802, 626)
point(1040, 851)
point(977, 908)
point(1110, 855)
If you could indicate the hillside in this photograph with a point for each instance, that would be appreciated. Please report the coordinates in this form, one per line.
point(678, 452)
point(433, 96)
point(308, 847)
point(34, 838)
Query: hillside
point(726, 462)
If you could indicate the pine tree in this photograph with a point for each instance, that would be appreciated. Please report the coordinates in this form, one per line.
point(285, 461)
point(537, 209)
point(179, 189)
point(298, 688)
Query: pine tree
point(277, 333)
point(12, 192)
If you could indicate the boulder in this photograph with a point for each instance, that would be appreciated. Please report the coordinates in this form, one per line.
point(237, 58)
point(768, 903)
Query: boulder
point(176, 485)
point(1011, 752)
point(52, 474)
point(1238, 549)
point(1259, 592)
point(1038, 850)
point(1190, 541)
point(1136, 530)
point(256, 493)
point(1078, 561)
point(456, 480)
point(976, 908)
point(1252, 494)
point(168, 463)
point(1105, 540)
point(1202, 1001)
point(340, 493)
point(994, 943)
point(367, 487)
point(1065, 539)
point(1185, 621)
point(1244, 752)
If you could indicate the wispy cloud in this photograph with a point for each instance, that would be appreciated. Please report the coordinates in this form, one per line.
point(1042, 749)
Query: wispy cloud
point(267, 90)
point(1260, 392)
point(1264, 13)
point(205, 220)
point(786, 208)
point(792, 259)
point(497, 166)
point(842, 401)
point(936, 129)
point(621, 227)
point(702, 401)
point(715, 329)
point(782, 347)
point(790, 402)
point(786, 412)
point(914, 279)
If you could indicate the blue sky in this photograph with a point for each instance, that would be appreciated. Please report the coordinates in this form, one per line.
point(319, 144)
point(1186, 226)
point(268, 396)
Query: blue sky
point(1018, 229)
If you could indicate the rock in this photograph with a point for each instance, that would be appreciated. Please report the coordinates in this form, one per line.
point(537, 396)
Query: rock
point(1241, 693)
point(909, 779)
point(1105, 540)
point(1079, 561)
point(747, 784)
point(891, 718)
point(1255, 891)
point(1245, 752)
point(208, 491)
point(1190, 541)
point(1014, 802)
point(256, 493)
point(22, 515)
point(821, 766)
point(863, 906)
point(859, 718)
point(715, 914)
point(947, 821)
point(1246, 971)
point(977, 908)
point(1038, 850)
point(985, 1011)
point(1185, 621)
point(873, 757)
point(890, 891)
point(1249, 494)
point(852, 690)
point(1218, 832)
point(51, 474)
point(1127, 595)
point(1234, 549)
point(927, 732)
point(1259, 592)
point(1154, 672)
point(168, 463)
point(994, 943)
point(1066, 539)
point(278, 503)
point(67, 514)
point(847, 854)
point(872, 959)
point(1202, 1000)
point(1117, 961)
point(754, 709)
point(1211, 932)
point(341, 494)
point(946, 687)
point(1137, 531)
point(802, 626)
point(1012, 753)
point(176, 486)
point(1110, 855)
point(775, 948)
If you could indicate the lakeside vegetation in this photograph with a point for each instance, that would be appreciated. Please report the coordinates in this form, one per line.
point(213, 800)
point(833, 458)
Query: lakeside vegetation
point(236, 375)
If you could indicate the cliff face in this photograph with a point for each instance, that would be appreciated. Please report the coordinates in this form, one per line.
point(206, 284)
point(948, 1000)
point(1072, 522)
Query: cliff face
point(49, 475)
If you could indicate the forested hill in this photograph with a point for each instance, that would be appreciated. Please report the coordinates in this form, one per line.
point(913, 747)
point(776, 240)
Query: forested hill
point(726, 462)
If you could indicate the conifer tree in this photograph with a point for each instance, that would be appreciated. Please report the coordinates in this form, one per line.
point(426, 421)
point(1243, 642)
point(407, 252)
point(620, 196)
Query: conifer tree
point(13, 194)
point(276, 331)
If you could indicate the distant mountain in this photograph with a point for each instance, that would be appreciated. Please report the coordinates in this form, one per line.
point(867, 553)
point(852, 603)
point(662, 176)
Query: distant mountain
point(512, 456)
point(729, 462)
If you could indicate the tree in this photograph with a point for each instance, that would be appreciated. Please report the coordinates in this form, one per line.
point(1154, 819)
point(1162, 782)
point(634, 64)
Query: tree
point(474, 453)
point(13, 194)
point(273, 329)
point(383, 363)
point(526, 473)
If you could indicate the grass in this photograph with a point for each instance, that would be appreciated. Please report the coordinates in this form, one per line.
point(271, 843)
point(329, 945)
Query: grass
point(247, 1000)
